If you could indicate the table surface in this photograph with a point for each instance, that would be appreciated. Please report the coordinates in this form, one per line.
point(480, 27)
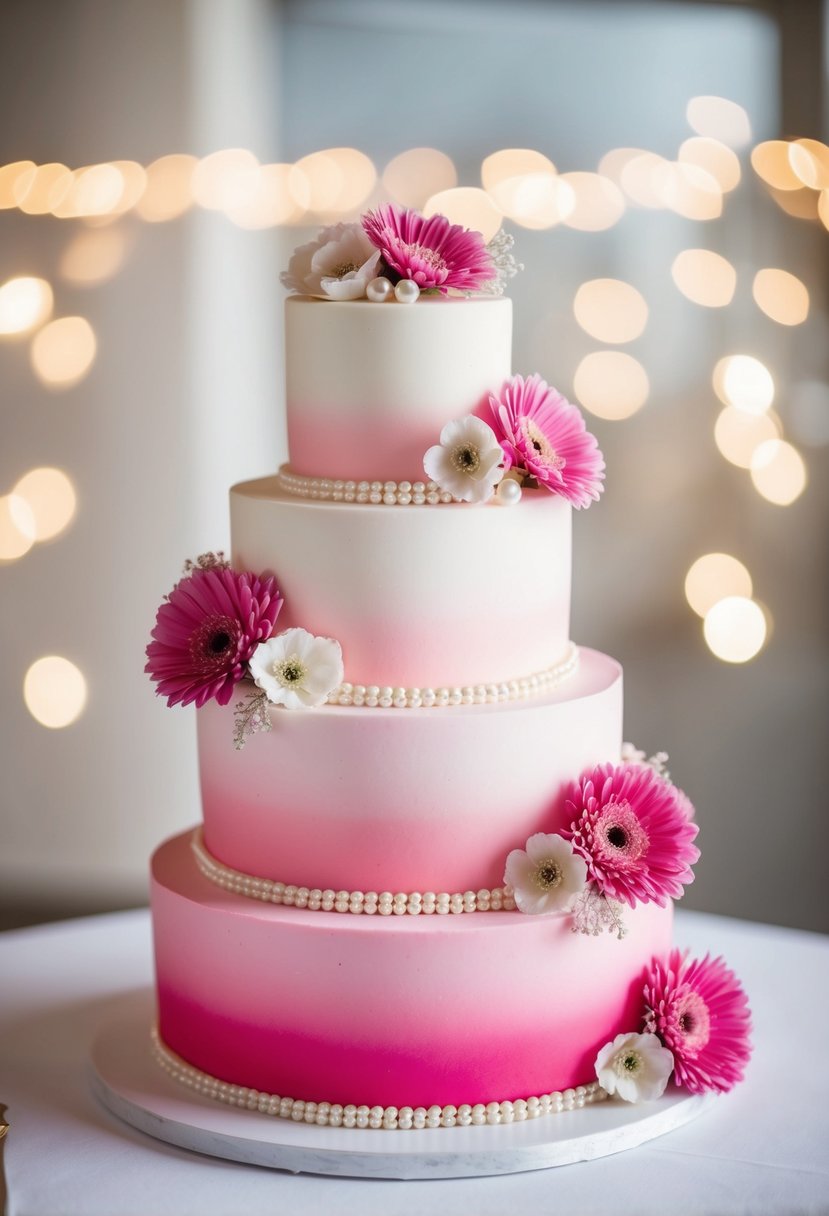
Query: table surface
point(764, 1148)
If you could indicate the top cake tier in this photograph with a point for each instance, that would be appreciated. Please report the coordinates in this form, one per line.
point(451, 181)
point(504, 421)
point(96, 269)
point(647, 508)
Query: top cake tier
point(370, 386)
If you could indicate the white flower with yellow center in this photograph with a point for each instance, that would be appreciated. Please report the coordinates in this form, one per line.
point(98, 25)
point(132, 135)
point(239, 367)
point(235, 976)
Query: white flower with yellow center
point(338, 265)
point(468, 462)
point(546, 876)
point(296, 669)
point(635, 1066)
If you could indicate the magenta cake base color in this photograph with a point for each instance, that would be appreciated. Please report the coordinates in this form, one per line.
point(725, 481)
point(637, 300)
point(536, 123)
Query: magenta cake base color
point(402, 1011)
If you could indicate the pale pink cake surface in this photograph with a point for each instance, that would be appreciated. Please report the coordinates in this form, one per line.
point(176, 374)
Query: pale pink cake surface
point(416, 596)
point(403, 800)
point(370, 386)
point(386, 1011)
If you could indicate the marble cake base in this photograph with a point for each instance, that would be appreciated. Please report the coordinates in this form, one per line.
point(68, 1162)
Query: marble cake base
point(128, 1081)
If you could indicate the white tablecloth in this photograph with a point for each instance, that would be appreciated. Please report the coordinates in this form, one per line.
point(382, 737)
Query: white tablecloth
point(763, 1148)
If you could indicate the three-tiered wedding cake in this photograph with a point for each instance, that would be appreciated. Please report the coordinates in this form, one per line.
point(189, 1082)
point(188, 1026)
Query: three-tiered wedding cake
point(430, 889)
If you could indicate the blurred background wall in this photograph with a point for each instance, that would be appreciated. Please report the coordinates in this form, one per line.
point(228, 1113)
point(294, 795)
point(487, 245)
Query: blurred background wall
point(165, 257)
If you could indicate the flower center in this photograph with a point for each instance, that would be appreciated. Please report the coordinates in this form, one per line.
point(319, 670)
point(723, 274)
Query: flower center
point(214, 643)
point(543, 450)
point(619, 836)
point(548, 875)
point(430, 256)
point(466, 458)
point(339, 272)
point(290, 672)
point(693, 1021)
point(627, 1063)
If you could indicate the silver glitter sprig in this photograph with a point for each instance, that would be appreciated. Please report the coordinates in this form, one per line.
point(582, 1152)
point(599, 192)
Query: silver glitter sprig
point(593, 913)
point(251, 716)
point(506, 267)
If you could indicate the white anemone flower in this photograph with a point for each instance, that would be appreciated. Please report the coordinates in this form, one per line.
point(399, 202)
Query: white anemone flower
point(635, 1066)
point(296, 669)
point(468, 462)
point(547, 876)
point(338, 265)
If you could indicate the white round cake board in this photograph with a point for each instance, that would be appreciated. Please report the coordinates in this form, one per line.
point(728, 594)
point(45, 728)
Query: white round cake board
point(128, 1081)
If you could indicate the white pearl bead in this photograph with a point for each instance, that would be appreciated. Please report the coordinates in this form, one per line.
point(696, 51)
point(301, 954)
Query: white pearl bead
point(508, 492)
point(406, 291)
point(379, 290)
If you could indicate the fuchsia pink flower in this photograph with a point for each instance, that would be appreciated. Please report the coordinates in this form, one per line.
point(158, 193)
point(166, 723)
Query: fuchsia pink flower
point(544, 435)
point(700, 1012)
point(433, 252)
point(633, 829)
point(205, 632)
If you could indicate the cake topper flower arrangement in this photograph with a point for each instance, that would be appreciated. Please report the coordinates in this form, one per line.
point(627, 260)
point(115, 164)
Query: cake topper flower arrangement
point(696, 1025)
point(396, 253)
point(215, 628)
point(536, 438)
point(629, 840)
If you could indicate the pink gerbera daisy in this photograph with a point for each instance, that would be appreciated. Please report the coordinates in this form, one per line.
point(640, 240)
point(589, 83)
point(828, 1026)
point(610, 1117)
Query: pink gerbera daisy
point(633, 829)
point(433, 252)
point(700, 1012)
point(543, 434)
point(205, 632)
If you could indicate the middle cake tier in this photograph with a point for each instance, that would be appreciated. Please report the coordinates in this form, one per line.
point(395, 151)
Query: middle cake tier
point(417, 596)
point(402, 800)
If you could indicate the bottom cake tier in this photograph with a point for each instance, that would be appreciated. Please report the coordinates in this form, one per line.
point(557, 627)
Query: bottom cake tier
point(387, 1010)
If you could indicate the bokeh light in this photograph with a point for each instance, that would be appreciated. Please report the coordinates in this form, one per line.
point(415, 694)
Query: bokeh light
point(770, 161)
point(778, 472)
point(802, 204)
point(719, 118)
point(690, 191)
point(168, 191)
point(611, 384)
point(714, 576)
point(524, 186)
point(225, 179)
point(25, 303)
point(598, 203)
point(17, 528)
point(610, 310)
point(744, 382)
point(714, 158)
point(638, 179)
point(281, 197)
point(9, 177)
point(54, 690)
point(809, 159)
point(781, 296)
point(735, 629)
point(414, 176)
point(50, 498)
point(63, 352)
point(93, 255)
point(704, 277)
point(339, 179)
point(468, 206)
point(738, 435)
point(93, 191)
point(823, 208)
point(40, 189)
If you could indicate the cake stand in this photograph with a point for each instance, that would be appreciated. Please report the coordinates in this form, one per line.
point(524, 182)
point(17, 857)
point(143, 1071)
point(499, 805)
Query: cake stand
point(128, 1081)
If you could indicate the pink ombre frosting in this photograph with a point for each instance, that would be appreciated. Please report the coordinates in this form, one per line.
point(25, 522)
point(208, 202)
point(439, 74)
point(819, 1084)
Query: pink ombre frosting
point(416, 596)
point(370, 386)
point(403, 800)
point(389, 1011)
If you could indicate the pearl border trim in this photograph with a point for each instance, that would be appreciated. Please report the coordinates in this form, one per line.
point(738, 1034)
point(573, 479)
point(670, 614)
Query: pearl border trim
point(387, 1118)
point(368, 903)
point(379, 493)
point(374, 696)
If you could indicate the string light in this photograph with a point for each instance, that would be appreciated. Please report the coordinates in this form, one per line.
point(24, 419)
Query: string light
point(704, 277)
point(25, 303)
point(778, 472)
point(610, 310)
point(735, 629)
point(738, 435)
point(50, 500)
point(54, 691)
point(714, 576)
point(781, 296)
point(744, 382)
point(63, 352)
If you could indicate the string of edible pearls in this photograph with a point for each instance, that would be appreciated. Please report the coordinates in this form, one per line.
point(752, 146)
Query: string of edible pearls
point(387, 1118)
point(375, 696)
point(368, 903)
point(387, 493)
